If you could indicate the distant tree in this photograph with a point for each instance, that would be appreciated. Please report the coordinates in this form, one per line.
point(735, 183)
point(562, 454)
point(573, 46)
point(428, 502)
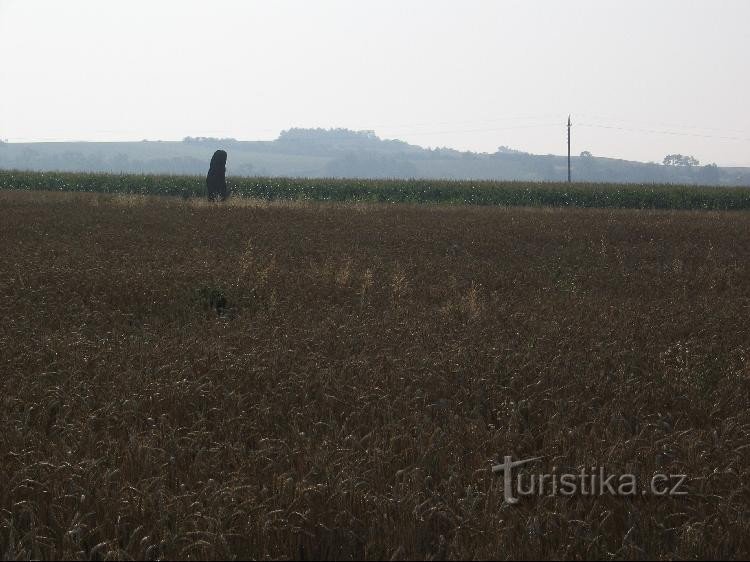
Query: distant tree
point(586, 154)
point(209, 140)
point(327, 135)
point(679, 160)
point(507, 150)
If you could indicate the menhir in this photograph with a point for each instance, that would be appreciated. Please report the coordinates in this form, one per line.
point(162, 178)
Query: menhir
point(216, 183)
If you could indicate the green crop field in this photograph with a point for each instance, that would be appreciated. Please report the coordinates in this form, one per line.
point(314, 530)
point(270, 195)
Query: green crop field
point(624, 196)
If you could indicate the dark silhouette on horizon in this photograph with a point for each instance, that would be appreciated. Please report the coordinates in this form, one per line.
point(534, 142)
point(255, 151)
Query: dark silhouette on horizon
point(216, 183)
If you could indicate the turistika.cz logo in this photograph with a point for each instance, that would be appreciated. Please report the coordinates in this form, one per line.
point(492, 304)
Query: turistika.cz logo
point(593, 482)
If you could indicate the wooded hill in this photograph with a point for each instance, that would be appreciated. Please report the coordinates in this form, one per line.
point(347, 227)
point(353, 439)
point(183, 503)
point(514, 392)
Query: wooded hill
point(346, 153)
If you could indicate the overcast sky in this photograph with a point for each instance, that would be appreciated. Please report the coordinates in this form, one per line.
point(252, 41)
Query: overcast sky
point(641, 78)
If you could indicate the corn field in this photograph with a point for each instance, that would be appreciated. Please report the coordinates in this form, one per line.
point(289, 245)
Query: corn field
point(462, 192)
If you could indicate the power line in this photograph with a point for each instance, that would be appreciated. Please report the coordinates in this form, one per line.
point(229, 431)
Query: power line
point(657, 132)
point(384, 131)
point(660, 124)
point(525, 117)
point(480, 130)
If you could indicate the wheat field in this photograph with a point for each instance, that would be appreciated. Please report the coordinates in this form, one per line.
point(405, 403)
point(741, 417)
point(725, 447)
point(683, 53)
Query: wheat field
point(284, 380)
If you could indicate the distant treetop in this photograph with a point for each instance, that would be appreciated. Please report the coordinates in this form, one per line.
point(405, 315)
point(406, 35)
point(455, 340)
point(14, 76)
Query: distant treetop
point(679, 160)
point(297, 134)
point(507, 150)
point(209, 140)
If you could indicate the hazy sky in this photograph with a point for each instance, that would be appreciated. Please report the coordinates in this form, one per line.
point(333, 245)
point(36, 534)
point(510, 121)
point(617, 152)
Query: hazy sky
point(663, 76)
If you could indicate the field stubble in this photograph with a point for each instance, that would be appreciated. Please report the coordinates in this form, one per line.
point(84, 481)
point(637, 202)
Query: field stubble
point(286, 380)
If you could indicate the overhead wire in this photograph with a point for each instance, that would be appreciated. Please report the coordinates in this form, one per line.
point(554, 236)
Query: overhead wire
point(672, 133)
point(740, 136)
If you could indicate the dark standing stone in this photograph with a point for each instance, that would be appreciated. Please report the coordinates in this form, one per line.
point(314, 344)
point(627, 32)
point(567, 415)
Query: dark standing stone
point(216, 183)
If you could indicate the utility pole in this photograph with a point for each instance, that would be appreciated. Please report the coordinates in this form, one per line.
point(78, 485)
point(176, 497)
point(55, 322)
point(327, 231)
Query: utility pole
point(568, 148)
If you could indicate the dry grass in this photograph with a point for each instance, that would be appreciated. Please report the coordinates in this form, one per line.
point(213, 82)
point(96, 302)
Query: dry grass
point(278, 380)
